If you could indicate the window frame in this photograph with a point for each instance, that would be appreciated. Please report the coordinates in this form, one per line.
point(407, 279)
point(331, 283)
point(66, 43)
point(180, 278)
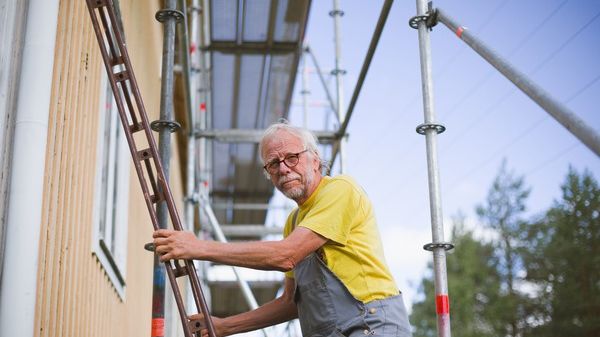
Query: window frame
point(109, 235)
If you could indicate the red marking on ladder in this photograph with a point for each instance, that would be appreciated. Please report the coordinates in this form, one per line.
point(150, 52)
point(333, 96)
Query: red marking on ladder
point(442, 304)
point(192, 48)
point(459, 32)
point(158, 327)
point(203, 107)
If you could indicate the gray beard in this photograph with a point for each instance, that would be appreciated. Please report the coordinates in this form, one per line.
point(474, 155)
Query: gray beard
point(299, 192)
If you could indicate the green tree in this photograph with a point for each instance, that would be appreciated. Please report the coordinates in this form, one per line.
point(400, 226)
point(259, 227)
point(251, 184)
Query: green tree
point(563, 260)
point(473, 284)
point(503, 213)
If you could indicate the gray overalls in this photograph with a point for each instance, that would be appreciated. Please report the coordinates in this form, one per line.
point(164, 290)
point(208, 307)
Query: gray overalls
point(326, 308)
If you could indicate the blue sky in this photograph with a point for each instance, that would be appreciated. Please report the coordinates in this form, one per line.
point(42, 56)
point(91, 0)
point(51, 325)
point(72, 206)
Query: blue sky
point(554, 42)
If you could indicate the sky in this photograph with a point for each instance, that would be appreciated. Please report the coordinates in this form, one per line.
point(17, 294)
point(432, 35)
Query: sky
point(488, 120)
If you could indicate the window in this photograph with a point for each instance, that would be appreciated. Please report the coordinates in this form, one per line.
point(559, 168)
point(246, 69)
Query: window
point(112, 192)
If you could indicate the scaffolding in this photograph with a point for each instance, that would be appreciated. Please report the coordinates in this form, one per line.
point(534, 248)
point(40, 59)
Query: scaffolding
point(229, 102)
point(218, 66)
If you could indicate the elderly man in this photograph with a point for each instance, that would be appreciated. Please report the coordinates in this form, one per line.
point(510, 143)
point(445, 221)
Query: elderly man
point(337, 282)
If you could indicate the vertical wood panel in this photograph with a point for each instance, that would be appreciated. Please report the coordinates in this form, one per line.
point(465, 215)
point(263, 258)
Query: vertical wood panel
point(75, 296)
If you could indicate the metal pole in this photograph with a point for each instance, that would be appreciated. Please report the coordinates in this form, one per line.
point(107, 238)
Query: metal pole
point(385, 10)
point(169, 19)
point(190, 94)
point(205, 150)
point(561, 113)
point(337, 13)
point(218, 232)
point(430, 129)
point(325, 87)
point(191, 90)
point(305, 92)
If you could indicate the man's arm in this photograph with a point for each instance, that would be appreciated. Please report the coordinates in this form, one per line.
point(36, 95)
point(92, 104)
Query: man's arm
point(280, 255)
point(279, 310)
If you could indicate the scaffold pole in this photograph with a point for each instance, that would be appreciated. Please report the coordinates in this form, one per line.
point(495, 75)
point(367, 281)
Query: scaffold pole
point(557, 110)
point(338, 72)
point(431, 129)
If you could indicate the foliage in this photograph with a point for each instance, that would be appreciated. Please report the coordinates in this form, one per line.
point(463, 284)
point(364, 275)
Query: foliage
point(563, 260)
point(537, 277)
point(502, 213)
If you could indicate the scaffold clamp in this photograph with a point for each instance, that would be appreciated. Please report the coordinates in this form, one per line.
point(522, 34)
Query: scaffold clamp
point(336, 12)
point(338, 71)
point(422, 128)
point(165, 14)
point(444, 245)
point(160, 124)
point(431, 19)
point(194, 198)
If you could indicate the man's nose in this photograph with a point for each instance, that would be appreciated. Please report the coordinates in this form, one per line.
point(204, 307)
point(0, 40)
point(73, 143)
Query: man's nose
point(283, 168)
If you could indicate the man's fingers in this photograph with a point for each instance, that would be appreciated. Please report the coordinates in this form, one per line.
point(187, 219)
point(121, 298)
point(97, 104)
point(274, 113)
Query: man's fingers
point(161, 233)
point(159, 241)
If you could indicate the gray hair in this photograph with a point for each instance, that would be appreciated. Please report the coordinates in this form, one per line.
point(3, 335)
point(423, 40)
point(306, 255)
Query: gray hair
point(309, 140)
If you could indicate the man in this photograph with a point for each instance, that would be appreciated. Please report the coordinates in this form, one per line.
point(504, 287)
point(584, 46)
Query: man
point(337, 282)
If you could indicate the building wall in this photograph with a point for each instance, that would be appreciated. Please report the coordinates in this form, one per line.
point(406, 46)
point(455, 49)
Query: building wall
point(75, 296)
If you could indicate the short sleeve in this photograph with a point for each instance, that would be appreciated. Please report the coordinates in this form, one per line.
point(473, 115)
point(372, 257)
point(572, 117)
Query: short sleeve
point(332, 214)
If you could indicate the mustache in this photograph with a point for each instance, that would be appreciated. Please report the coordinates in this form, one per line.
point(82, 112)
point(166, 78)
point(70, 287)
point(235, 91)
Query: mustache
point(287, 178)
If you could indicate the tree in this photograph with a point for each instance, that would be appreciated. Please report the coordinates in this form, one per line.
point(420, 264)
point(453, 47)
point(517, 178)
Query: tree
point(563, 260)
point(502, 212)
point(473, 284)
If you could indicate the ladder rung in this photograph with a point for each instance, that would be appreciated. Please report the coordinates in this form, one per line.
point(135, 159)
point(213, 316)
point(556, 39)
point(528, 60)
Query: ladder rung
point(155, 199)
point(144, 154)
point(121, 76)
point(117, 61)
point(179, 270)
point(99, 3)
point(136, 127)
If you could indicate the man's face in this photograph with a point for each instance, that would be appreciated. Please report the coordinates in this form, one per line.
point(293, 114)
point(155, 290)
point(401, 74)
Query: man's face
point(296, 182)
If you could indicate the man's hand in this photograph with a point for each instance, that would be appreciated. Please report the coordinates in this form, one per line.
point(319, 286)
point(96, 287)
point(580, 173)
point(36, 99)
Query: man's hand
point(217, 324)
point(174, 245)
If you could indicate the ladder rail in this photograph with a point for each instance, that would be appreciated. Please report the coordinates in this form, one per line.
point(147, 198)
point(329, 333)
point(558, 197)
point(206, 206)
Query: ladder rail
point(122, 82)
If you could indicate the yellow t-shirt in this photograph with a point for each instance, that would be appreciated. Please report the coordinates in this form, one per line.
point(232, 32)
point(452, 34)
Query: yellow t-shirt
point(340, 211)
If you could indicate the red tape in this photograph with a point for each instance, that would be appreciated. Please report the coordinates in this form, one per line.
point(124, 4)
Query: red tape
point(158, 327)
point(459, 32)
point(442, 304)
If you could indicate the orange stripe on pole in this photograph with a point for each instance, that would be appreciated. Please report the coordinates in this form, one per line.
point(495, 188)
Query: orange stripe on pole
point(442, 304)
point(459, 31)
point(158, 327)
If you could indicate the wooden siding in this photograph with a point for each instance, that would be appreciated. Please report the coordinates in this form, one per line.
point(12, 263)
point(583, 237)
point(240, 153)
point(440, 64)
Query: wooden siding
point(75, 296)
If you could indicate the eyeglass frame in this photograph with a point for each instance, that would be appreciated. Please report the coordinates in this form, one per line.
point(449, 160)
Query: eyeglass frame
point(279, 161)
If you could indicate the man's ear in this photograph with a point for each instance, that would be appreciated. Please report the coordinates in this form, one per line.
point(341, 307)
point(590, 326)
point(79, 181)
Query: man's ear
point(316, 162)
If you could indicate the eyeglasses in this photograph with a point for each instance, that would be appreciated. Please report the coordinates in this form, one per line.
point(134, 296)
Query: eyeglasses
point(290, 161)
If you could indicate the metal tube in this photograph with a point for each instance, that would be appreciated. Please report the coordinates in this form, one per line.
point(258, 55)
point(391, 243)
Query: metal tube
point(305, 90)
point(218, 232)
point(322, 79)
point(192, 109)
point(205, 118)
point(561, 113)
point(189, 98)
point(435, 204)
point(337, 14)
point(385, 10)
point(164, 147)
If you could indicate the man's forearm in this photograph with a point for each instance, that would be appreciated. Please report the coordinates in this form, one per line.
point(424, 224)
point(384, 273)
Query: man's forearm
point(265, 255)
point(277, 311)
